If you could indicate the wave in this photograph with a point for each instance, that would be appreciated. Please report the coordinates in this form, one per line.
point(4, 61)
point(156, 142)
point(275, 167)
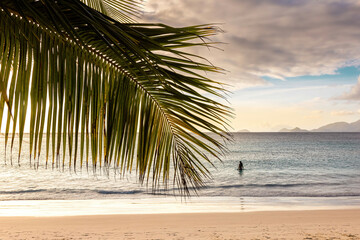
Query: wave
point(298, 195)
point(72, 191)
point(271, 185)
point(48, 195)
point(105, 192)
point(23, 191)
point(316, 189)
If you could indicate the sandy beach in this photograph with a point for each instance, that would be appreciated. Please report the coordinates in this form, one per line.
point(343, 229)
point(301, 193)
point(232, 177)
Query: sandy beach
point(311, 224)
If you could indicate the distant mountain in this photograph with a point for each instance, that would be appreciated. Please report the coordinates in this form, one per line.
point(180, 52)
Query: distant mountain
point(332, 127)
point(293, 130)
point(340, 127)
point(243, 130)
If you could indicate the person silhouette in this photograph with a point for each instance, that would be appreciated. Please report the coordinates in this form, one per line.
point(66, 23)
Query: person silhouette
point(241, 166)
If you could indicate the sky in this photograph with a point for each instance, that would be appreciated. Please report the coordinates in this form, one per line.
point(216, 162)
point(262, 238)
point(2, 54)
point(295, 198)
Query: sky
point(289, 63)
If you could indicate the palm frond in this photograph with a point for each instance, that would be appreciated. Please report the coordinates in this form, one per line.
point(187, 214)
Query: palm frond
point(129, 91)
point(120, 10)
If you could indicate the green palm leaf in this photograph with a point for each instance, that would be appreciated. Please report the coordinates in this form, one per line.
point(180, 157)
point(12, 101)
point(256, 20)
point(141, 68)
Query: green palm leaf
point(122, 11)
point(129, 91)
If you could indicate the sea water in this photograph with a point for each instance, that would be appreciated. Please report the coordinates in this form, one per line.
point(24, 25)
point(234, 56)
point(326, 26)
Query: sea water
point(282, 171)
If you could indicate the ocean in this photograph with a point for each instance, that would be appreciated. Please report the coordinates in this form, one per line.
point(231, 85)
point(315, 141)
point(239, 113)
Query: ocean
point(283, 171)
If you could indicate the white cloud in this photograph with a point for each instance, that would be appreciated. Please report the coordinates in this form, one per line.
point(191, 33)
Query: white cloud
point(275, 38)
point(353, 94)
point(343, 113)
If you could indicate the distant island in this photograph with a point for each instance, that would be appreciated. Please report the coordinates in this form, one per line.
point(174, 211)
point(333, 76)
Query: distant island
point(243, 130)
point(332, 127)
point(293, 130)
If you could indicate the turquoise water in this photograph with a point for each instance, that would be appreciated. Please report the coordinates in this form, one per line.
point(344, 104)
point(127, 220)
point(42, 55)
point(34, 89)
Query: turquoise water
point(282, 170)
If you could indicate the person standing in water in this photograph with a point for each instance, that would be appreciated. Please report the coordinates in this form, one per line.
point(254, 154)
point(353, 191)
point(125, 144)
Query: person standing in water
point(241, 166)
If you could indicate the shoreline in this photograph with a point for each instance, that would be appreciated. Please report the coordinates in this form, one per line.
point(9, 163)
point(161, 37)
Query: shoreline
point(302, 224)
point(170, 205)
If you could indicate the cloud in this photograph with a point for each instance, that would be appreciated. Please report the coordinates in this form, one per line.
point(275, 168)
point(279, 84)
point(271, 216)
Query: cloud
point(274, 38)
point(317, 112)
point(343, 113)
point(314, 115)
point(353, 94)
